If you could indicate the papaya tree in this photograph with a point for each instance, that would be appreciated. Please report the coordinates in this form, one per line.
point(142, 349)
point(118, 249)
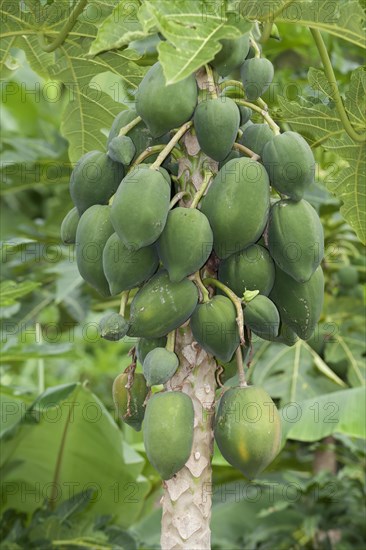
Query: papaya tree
point(190, 208)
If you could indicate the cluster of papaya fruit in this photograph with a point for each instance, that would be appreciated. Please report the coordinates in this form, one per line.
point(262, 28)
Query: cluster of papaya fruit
point(131, 234)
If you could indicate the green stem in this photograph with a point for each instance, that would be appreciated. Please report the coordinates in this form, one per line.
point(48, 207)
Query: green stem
point(149, 151)
point(198, 196)
point(63, 34)
point(240, 365)
point(196, 278)
point(124, 300)
point(246, 151)
point(40, 362)
point(235, 300)
point(255, 46)
point(271, 123)
point(177, 198)
point(329, 73)
point(170, 343)
point(123, 131)
point(170, 146)
point(266, 33)
point(211, 82)
point(230, 84)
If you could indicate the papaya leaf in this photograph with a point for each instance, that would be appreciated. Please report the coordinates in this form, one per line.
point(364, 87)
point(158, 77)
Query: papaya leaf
point(352, 349)
point(10, 291)
point(339, 412)
point(192, 31)
point(292, 374)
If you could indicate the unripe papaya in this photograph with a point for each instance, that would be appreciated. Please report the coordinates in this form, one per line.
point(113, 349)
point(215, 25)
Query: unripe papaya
point(122, 149)
point(186, 242)
point(251, 269)
point(69, 226)
point(348, 276)
point(248, 429)
point(113, 327)
point(295, 238)
point(256, 76)
point(299, 304)
point(216, 122)
point(290, 164)
point(237, 205)
point(245, 114)
point(232, 155)
point(94, 180)
point(285, 336)
point(262, 317)
point(144, 345)
point(126, 268)
point(159, 366)
point(214, 327)
point(94, 230)
point(168, 431)
point(140, 208)
point(164, 107)
point(130, 402)
point(161, 306)
point(231, 55)
point(256, 136)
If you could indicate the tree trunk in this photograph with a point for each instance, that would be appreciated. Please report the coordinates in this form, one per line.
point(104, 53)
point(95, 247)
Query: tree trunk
point(187, 496)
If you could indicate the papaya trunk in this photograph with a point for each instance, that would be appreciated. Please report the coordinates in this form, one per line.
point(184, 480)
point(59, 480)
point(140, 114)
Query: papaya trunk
point(187, 496)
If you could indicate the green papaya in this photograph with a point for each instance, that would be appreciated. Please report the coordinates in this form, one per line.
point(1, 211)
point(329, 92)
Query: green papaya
point(250, 269)
point(262, 317)
point(248, 429)
point(185, 243)
point(126, 268)
point(232, 155)
point(299, 304)
point(231, 368)
point(168, 431)
point(232, 54)
point(237, 205)
point(69, 226)
point(285, 336)
point(246, 125)
point(295, 238)
point(161, 169)
point(161, 306)
point(113, 327)
point(290, 164)
point(214, 327)
point(144, 345)
point(94, 230)
point(140, 208)
point(94, 180)
point(130, 402)
point(122, 149)
point(159, 366)
point(216, 122)
point(163, 107)
point(245, 114)
point(256, 76)
point(256, 136)
point(348, 276)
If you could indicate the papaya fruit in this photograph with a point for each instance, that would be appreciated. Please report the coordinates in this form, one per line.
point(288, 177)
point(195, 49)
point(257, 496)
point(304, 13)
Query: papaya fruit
point(126, 268)
point(144, 345)
point(237, 205)
point(232, 54)
point(285, 336)
point(140, 208)
point(214, 327)
point(94, 230)
point(231, 368)
point(299, 304)
point(245, 114)
point(246, 125)
point(69, 226)
point(248, 429)
point(185, 243)
point(94, 180)
point(161, 169)
point(295, 238)
point(262, 317)
point(130, 402)
point(232, 155)
point(216, 122)
point(256, 136)
point(113, 327)
point(168, 431)
point(164, 107)
point(122, 149)
point(256, 76)
point(161, 306)
point(159, 366)
point(250, 269)
point(348, 276)
point(290, 164)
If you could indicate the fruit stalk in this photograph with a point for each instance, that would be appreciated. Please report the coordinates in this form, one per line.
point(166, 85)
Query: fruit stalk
point(187, 496)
